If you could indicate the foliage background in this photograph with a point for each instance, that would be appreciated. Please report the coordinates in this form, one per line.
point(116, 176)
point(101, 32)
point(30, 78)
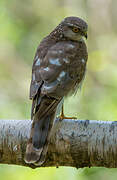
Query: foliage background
point(22, 25)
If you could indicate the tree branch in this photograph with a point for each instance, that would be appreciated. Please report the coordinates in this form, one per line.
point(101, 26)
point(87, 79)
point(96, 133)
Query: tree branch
point(76, 143)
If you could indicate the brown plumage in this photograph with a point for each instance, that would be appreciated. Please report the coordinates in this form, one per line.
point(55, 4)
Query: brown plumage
point(58, 69)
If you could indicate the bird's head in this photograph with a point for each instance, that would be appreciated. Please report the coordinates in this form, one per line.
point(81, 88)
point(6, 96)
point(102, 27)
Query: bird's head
point(74, 28)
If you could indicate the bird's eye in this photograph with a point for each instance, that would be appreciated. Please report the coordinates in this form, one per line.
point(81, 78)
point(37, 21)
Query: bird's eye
point(75, 29)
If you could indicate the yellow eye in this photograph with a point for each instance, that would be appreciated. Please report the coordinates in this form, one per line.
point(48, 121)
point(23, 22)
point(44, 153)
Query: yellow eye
point(75, 29)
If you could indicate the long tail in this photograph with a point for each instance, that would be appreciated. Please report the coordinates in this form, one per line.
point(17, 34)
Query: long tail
point(37, 145)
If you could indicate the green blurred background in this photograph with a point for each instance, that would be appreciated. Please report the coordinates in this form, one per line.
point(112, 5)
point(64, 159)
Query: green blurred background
point(22, 26)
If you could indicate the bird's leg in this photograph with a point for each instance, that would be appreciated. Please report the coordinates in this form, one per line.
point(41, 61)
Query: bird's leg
point(62, 116)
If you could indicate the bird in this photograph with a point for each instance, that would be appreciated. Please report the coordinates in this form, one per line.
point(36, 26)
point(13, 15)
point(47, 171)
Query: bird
point(58, 70)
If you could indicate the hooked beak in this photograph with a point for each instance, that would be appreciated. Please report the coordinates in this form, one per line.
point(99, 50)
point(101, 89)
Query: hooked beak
point(85, 35)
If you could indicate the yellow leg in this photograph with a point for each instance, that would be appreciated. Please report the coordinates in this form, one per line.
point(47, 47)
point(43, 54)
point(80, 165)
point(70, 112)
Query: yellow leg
point(62, 116)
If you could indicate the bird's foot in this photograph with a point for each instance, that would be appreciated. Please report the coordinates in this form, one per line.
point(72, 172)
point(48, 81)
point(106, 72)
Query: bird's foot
point(61, 117)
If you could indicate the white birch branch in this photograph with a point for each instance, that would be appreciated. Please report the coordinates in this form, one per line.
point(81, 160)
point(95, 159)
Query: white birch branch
point(76, 143)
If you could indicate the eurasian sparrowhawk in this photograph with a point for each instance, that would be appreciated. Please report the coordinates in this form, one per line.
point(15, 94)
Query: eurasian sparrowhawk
point(58, 69)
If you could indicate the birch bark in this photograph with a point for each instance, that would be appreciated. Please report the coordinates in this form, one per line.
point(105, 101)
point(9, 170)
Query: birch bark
point(75, 143)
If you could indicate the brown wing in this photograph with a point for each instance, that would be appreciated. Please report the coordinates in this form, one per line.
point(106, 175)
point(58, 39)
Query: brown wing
point(60, 71)
point(36, 80)
point(63, 68)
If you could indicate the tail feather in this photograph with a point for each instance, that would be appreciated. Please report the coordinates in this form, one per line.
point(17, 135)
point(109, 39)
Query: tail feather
point(40, 132)
point(43, 153)
point(32, 154)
